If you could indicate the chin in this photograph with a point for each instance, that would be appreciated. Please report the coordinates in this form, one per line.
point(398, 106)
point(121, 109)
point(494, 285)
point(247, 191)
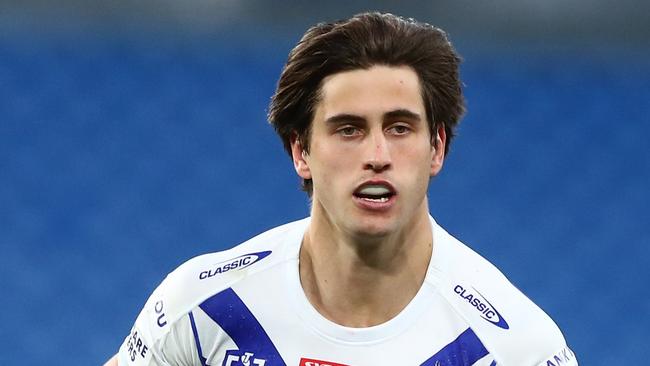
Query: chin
point(375, 230)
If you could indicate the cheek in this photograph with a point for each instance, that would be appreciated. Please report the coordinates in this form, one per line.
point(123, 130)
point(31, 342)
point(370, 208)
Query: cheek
point(417, 155)
point(332, 157)
point(417, 163)
point(332, 173)
point(328, 166)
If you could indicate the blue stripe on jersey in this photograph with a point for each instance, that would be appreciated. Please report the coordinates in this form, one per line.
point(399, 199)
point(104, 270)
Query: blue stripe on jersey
point(463, 351)
point(494, 363)
point(232, 315)
point(196, 339)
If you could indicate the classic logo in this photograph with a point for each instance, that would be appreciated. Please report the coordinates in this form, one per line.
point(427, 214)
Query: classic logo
point(240, 262)
point(480, 303)
point(312, 362)
point(240, 358)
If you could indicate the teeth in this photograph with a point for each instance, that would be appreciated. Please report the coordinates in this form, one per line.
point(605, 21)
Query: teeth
point(374, 190)
point(382, 199)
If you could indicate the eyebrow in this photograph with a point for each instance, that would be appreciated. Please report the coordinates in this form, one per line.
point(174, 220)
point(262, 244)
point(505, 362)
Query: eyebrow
point(343, 118)
point(403, 113)
point(353, 118)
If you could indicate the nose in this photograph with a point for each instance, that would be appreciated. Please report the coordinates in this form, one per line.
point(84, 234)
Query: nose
point(378, 153)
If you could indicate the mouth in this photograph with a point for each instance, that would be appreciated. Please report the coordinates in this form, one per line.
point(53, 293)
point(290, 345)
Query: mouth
point(375, 192)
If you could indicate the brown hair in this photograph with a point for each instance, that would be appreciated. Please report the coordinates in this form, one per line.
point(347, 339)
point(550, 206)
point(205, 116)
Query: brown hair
point(360, 42)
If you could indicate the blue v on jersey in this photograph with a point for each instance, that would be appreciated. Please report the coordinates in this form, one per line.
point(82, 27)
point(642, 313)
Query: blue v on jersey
point(245, 306)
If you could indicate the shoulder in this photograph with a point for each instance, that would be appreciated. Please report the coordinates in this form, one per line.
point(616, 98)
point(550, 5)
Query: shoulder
point(203, 276)
point(511, 326)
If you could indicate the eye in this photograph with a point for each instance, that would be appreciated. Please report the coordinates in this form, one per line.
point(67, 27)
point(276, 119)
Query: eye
point(399, 129)
point(348, 131)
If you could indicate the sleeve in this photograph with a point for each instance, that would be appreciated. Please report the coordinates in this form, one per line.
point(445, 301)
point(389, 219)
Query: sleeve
point(563, 357)
point(136, 350)
point(159, 336)
point(140, 346)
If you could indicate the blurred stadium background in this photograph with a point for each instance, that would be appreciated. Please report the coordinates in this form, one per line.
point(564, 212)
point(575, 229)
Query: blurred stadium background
point(133, 136)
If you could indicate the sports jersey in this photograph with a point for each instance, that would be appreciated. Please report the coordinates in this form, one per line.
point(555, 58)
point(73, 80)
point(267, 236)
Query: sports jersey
point(245, 306)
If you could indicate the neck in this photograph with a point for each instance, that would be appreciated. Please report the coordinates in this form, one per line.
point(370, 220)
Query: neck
point(360, 282)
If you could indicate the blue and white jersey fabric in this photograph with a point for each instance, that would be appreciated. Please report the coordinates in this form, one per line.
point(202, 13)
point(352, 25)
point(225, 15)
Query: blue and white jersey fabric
point(245, 306)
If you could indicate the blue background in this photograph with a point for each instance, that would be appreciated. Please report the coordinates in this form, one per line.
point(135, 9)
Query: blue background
point(123, 155)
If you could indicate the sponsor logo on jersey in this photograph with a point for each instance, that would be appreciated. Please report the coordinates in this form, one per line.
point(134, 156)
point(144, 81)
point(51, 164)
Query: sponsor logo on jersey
point(480, 303)
point(159, 309)
point(241, 358)
point(564, 357)
point(237, 263)
point(312, 362)
point(135, 346)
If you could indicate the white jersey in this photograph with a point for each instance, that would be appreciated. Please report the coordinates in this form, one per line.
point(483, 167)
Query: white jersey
point(245, 306)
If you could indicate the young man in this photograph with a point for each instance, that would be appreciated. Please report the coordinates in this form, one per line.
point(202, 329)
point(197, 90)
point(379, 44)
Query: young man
point(367, 108)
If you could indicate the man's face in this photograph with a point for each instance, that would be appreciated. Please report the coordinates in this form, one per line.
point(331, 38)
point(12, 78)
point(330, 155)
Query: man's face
point(371, 153)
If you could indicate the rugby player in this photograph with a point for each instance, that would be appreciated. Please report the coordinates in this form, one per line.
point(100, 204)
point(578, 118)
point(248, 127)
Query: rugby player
point(366, 108)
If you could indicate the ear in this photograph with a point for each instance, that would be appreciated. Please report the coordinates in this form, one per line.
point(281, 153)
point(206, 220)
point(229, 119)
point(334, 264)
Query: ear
point(438, 143)
point(300, 158)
